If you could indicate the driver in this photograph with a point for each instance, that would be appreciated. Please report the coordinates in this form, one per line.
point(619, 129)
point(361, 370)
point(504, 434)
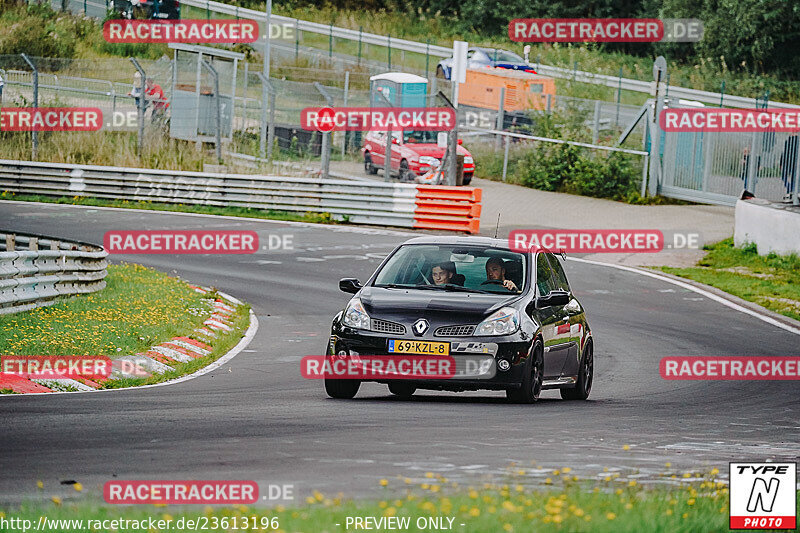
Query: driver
point(496, 271)
point(443, 272)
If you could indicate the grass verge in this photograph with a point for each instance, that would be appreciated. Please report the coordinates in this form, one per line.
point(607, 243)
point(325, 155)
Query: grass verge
point(606, 504)
point(772, 281)
point(267, 214)
point(140, 307)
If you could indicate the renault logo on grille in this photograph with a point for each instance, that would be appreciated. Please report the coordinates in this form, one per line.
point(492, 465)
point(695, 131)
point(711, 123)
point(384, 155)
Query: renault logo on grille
point(420, 327)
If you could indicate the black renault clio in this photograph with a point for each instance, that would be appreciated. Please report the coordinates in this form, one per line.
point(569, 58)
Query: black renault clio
point(463, 296)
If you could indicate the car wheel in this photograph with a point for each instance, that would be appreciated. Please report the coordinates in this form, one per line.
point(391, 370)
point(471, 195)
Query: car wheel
point(342, 389)
point(440, 73)
point(585, 376)
point(532, 382)
point(404, 390)
point(467, 179)
point(369, 168)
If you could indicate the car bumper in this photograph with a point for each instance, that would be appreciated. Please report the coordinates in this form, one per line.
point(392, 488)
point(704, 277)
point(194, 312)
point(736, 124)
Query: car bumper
point(513, 348)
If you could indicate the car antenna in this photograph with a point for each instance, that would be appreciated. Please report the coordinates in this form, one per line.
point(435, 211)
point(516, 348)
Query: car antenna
point(497, 227)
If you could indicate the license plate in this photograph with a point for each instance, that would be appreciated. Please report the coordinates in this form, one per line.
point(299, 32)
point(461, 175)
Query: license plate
point(419, 347)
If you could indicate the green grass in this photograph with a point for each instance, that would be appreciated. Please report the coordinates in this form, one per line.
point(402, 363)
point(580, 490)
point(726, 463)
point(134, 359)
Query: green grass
point(771, 281)
point(607, 504)
point(318, 218)
point(138, 308)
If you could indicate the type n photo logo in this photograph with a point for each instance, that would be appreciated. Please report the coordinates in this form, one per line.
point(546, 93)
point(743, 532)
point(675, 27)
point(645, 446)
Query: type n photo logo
point(763, 496)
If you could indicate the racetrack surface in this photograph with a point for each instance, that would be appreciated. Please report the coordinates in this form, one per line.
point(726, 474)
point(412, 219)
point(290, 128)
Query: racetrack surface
point(257, 418)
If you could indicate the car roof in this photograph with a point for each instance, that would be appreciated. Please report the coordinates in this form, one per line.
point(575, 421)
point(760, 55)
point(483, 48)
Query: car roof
point(460, 240)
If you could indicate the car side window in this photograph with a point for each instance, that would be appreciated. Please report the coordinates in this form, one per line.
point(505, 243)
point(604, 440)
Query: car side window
point(544, 275)
point(560, 275)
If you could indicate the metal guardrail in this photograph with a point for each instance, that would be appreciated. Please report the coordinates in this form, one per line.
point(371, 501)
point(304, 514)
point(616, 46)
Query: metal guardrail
point(443, 51)
point(35, 270)
point(359, 202)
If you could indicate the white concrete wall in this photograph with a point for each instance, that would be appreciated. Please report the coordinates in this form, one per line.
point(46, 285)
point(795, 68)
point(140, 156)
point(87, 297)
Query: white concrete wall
point(771, 228)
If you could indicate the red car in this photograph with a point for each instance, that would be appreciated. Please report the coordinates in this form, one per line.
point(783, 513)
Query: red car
point(414, 155)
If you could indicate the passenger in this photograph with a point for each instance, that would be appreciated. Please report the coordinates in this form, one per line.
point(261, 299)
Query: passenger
point(495, 271)
point(443, 272)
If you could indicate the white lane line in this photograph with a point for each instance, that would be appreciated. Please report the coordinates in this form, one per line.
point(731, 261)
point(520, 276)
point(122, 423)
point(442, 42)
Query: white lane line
point(709, 295)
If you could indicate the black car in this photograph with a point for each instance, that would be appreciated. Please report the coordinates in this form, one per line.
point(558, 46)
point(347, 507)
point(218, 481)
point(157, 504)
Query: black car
point(469, 295)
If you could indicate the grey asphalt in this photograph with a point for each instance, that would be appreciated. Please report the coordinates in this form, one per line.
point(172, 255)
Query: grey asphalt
point(257, 418)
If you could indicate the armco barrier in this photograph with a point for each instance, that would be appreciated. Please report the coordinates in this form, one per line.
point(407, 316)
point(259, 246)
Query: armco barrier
point(35, 270)
point(359, 202)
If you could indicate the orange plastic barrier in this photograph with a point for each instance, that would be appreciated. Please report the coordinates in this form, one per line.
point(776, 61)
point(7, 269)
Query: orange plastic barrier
point(448, 208)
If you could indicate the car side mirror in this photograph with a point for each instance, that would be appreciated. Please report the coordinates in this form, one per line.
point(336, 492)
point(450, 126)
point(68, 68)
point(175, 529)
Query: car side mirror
point(351, 285)
point(553, 298)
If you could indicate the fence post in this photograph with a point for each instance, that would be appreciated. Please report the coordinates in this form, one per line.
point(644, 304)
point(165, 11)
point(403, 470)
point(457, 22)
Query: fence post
point(549, 103)
point(244, 111)
point(208, 11)
point(360, 29)
point(721, 93)
point(344, 104)
point(271, 127)
point(501, 118)
point(296, 39)
point(427, 55)
point(326, 136)
point(619, 96)
point(596, 126)
point(505, 158)
point(141, 103)
point(330, 41)
point(218, 128)
point(389, 48)
point(35, 134)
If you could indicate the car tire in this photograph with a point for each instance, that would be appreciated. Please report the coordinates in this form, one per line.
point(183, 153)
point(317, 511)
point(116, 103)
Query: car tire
point(440, 73)
point(467, 179)
point(369, 168)
point(403, 390)
point(585, 377)
point(342, 389)
point(532, 381)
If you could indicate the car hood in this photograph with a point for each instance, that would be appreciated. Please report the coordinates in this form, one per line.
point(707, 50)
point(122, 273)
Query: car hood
point(432, 150)
point(439, 307)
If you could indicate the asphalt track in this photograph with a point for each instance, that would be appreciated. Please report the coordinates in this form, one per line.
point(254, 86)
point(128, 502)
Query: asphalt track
point(257, 418)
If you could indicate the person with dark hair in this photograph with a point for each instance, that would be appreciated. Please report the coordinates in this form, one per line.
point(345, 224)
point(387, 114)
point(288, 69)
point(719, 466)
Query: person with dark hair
point(443, 273)
point(496, 273)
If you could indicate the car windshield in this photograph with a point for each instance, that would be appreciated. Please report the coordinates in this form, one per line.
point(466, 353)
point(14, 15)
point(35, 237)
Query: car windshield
point(504, 55)
point(420, 136)
point(454, 268)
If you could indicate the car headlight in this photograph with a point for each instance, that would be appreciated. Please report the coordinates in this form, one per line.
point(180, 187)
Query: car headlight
point(428, 160)
point(468, 160)
point(355, 316)
point(502, 322)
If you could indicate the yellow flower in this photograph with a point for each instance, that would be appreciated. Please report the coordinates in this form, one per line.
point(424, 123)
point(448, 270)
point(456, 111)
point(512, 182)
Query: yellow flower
point(435, 488)
point(519, 488)
point(473, 494)
point(310, 500)
point(509, 506)
point(557, 518)
point(429, 475)
point(382, 505)
point(318, 496)
point(566, 469)
point(56, 500)
point(626, 448)
point(611, 516)
point(714, 471)
point(391, 511)
point(384, 482)
point(669, 512)
point(668, 464)
point(474, 512)
point(548, 481)
point(632, 483)
point(78, 487)
point(628, 505)
point(39, 485)
point(507, 527)
point(690, 501)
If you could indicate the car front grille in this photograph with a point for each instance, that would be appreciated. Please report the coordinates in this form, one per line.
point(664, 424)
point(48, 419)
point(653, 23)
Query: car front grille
point(454, 331)
point(384, 326)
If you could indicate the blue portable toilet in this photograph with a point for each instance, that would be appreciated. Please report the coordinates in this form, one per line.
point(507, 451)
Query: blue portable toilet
point(400, 88)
